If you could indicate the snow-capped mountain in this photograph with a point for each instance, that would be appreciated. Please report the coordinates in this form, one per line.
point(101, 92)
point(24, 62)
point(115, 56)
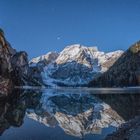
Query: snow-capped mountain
point(44, 59)
point(74, 66)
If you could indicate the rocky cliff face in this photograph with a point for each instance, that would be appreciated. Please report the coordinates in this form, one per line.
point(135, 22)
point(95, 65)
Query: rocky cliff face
point(76, 65)
point(44, 60)
point(13, 66)
point(124, 72)
point(128, 131)
point(37, 65)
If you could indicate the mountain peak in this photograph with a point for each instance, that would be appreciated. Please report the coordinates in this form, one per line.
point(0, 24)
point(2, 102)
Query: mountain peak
point(1, 32)
point(49, 57)
point(79, 46)
point(135, 48)
point(75, 65)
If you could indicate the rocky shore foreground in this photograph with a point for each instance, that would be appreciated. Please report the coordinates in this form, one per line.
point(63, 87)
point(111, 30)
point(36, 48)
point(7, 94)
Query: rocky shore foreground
point(128, 131)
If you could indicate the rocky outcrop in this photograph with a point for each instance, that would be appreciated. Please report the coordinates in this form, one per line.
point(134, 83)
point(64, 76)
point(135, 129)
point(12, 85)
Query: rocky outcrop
point(14, 67)
point(37, 65)
point(6, 86)
point(44, 60)
point(124, 72)
point(128, 131)
point(76, 65)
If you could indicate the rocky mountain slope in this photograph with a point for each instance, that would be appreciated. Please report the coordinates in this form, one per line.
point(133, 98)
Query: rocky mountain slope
point(124, 72)
point(74, 66)
point(14, 66)
point(128, 131)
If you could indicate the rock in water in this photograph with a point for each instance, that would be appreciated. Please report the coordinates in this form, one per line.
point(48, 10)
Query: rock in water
point(124, 72)
point(128, 131)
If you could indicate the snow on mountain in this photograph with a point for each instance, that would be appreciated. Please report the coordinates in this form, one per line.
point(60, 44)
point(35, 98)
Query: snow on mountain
point(47, 58)
point(75, 65)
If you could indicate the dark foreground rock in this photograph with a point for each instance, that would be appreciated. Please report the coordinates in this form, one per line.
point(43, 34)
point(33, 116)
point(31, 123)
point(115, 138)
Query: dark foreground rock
point(124, 72)
point(128, 131)
point(13, 65)
point(14, 69)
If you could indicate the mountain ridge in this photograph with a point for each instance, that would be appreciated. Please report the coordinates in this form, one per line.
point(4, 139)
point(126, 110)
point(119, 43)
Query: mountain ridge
point(75, 65)
point(125, 71)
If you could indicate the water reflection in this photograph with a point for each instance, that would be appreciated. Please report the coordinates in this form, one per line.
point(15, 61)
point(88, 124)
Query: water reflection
point(13, 108)
point(76, 113)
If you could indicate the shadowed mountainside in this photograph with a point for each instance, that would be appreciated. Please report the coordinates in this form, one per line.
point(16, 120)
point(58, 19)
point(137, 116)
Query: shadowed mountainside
point(14, 68)
point(124, 72)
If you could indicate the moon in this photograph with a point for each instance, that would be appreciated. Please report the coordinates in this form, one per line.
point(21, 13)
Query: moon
point(58, 38)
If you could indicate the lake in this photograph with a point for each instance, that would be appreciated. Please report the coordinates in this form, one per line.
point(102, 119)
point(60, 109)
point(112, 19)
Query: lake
point(66, 113)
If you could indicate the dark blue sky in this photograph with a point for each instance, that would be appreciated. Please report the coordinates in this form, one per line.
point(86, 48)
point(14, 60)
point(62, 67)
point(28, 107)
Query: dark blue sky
point(39, 26)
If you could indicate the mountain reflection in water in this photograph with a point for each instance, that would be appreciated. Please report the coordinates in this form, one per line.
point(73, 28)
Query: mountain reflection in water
point(67, 114)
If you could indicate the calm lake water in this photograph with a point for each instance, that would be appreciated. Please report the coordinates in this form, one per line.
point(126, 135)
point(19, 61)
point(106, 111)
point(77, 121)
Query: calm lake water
point(66, 114)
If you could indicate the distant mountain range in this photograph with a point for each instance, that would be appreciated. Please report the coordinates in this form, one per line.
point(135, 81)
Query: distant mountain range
point(76, 65)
